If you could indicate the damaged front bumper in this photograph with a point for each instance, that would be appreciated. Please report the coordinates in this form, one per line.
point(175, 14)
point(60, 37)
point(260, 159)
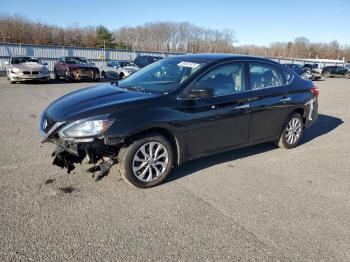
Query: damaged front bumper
point(99, 152)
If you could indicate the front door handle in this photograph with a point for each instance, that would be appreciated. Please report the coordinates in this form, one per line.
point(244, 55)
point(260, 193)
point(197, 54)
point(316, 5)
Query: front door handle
point(285, 99)
point(242, 106)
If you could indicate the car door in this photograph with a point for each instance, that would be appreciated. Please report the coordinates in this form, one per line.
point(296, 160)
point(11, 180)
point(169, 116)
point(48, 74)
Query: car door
point(333, 70)
point(341, 71)
point(221, 121)
point(270, 103)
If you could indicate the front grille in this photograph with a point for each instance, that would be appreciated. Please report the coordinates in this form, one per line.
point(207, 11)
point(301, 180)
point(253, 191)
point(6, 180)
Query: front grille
point(26, 73)
point(50, 123)
point(35, 72)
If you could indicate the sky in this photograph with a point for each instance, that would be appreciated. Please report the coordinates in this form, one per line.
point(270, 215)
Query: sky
point(253, 21)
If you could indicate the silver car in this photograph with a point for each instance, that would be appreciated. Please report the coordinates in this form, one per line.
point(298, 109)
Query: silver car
point(118, 69)
point(23, 68)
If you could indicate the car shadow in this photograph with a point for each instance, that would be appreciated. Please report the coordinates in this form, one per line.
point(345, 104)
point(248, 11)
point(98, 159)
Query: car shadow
point(322, 126)
point(62, 81)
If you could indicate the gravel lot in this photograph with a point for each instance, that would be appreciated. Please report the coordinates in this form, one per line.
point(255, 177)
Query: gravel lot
point(261, 203)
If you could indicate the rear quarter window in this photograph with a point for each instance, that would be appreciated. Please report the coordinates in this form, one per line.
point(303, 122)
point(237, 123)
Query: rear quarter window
point(264, 75)
point(287, 77)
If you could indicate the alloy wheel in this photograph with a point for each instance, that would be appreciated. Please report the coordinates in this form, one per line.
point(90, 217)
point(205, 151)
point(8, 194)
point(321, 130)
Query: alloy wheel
point(293, 130)
point(150, 161)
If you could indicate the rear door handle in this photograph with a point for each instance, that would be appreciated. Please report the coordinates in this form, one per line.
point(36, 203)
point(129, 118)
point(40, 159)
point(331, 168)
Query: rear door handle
point(242, 106)
point(285, 99)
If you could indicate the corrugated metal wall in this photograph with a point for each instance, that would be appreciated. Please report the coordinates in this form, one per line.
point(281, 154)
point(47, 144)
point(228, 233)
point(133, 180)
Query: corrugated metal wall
point(49, 54)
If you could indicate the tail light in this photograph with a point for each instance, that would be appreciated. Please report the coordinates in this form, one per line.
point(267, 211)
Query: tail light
point(315, 91)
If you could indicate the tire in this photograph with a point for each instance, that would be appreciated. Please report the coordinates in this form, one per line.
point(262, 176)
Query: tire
point(347, 75)
point(129, 166)
point(290, 141)
point(57, 77)
point(327, 74)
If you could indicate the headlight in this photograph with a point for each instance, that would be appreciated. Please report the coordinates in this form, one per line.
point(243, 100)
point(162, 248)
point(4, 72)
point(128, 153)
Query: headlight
point(44, 70)
point(15, 71)
point(86, 127)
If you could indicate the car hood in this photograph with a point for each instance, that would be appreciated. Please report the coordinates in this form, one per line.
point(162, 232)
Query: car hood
point(130, 69)
point(94, 101)
point(29, 66)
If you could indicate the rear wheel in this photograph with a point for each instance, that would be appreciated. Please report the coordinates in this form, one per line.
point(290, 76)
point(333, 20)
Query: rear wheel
point(347, 75)
point(327, 74)
point(292, 132)
point(147, 161)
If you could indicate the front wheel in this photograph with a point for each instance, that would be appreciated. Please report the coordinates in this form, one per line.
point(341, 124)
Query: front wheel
point(57, 77)
point(292, 132)
point(147, 161)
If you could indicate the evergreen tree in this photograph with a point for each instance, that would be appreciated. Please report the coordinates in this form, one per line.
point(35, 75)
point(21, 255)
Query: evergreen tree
point(104, 38)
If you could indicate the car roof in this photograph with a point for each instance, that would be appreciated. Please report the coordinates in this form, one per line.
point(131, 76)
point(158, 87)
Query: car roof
point(153, 56)
point(217, 57)
point(74, 57)
point(18, 56)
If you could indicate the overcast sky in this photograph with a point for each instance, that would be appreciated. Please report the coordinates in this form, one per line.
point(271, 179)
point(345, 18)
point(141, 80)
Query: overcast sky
point(254, 22)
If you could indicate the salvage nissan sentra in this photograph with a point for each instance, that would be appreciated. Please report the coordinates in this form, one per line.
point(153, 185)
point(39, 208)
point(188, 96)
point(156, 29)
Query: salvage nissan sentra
point(177, 109)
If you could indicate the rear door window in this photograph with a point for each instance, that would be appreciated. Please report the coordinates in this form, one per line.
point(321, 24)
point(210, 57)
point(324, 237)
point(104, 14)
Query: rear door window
point(266, 76)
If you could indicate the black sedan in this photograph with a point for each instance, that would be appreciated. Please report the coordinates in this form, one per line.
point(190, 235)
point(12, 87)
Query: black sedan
point(335, 71)
point(178, 109)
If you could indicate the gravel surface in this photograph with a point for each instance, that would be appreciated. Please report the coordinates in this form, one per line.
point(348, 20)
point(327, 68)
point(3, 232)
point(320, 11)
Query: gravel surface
point(255, 204)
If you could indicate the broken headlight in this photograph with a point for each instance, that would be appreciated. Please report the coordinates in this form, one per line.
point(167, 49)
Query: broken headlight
point(86, 127)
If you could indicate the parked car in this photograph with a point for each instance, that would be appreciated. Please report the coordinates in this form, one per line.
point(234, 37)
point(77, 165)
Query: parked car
point(335, 71)
point(118, 69)
point(75, 68)
point(24, 68)
point(304, 72)
point(299, 69)
point(144, 60)
point(178, 109)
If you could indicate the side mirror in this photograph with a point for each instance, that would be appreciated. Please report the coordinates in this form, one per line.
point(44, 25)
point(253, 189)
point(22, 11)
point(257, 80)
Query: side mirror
point(201, 92)
point(93, 63)
point(45, 64)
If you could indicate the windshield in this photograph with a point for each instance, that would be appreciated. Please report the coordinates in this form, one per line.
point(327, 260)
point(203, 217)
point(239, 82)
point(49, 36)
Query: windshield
point(77, 60)
point(25, 59)
point(127, 63)
point(161, 76)
point(113, 64)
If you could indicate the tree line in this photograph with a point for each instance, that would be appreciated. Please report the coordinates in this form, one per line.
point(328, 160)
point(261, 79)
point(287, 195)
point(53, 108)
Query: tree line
point(181, 37)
